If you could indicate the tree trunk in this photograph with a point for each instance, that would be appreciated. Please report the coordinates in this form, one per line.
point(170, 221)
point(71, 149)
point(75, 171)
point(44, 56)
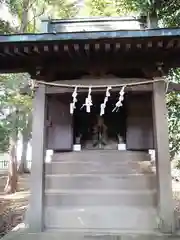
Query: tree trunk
point(25, 16)
point(11, 185)
point(152, 20)
point(23, 163)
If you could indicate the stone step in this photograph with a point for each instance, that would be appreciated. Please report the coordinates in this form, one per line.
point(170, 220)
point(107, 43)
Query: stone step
point(103, 235)
point(114, 235)
point(101, 217)
point(101, 182)
point(56, 234)
point(79, 198)
point(94, 167)
point(101, 155)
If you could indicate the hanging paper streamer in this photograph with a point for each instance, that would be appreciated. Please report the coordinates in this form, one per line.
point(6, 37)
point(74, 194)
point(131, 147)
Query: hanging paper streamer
point(88, 102)
point(103, 105)
point(121, 98)
point(73, 104)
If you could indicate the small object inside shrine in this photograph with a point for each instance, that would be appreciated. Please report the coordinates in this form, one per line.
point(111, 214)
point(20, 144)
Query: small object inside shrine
point(99, 129)
point(99, 133)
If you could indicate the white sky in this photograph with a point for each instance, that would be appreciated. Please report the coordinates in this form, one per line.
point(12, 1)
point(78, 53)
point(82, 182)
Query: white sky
point(6, 15)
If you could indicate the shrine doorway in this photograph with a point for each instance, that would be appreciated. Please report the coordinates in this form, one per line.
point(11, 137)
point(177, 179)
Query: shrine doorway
point(93, 131)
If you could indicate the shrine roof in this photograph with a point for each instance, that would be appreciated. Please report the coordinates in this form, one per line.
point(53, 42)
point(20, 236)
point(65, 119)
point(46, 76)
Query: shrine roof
point(146, 34)
point(79, 51)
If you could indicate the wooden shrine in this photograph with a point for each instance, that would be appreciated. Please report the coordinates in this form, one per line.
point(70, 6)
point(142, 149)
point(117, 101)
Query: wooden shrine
point(94, 181)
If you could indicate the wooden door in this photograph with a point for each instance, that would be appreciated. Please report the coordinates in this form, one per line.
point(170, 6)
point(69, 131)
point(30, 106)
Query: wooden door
point(139, 133)
point(60, 132)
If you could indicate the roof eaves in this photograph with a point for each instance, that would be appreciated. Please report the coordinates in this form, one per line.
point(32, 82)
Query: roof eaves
point(47, 37)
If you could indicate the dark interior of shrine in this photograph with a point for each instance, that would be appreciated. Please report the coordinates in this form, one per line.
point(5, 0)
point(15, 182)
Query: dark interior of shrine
point(93, 131)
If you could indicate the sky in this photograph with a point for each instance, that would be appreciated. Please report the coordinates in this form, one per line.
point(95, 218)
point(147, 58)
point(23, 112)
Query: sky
point(6, 15)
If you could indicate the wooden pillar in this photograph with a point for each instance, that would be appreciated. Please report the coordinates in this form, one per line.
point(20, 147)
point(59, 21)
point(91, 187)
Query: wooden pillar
point(163, 169)
point(35, 217)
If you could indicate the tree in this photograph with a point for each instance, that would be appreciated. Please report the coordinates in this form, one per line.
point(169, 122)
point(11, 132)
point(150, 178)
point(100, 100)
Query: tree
point(17, 108)
point(11, 185)
point(25, 127)
point(173, 103)
point(167, 11)
point(9, 115)
point(62, 9)
point(105, 8)
point(162, 12)
point(13, 107)
point(5, 27)
point(4, 137)
point(168, 14)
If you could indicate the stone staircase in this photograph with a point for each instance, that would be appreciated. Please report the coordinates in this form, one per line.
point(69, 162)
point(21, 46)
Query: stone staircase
point(100, 191)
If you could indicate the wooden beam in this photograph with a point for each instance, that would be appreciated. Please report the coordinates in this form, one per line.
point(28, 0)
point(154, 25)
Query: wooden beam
point(46, 48)
point(149, 44)
point(36, 49)
point(7, 51)
point(56, 48)
point(35, 218)
point(97, 46)
point(163, 168)
point(160, 44)
point(173, 87)
point(26, 49)
point(86, 49)
point(128, 46)
point(117, 47)
point(139, 45)
point(107, 47)
point(18, 52)
point(170, 44)
point(76, 49)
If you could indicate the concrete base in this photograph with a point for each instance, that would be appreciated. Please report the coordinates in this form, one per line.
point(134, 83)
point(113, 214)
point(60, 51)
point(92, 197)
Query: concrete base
point(100, 191)
point(56, 235)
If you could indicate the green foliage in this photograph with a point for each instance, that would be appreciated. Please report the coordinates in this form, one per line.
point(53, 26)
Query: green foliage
point(15, 108)
point(173, 103)
point(170, 13)
point(106, 7)
point(101, 7)
point(140, 6)
point(15, 7)
point(4, 137)
point(163, 8)
point(5, 27)
point(62, 8)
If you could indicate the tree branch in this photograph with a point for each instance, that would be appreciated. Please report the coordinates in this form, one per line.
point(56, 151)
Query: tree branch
point(30, 6)
point(36, 16)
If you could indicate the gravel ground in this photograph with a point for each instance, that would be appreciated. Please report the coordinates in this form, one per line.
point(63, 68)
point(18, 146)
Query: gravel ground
point(13, 207)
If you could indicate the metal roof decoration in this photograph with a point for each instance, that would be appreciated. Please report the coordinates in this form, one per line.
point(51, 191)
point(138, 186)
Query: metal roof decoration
point(94, 24)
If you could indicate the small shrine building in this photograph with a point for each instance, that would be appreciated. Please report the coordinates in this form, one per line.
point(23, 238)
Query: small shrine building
point(100, 106)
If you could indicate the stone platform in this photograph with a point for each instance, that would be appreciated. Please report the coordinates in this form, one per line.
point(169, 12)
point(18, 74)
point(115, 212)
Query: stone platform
point(55, 235)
